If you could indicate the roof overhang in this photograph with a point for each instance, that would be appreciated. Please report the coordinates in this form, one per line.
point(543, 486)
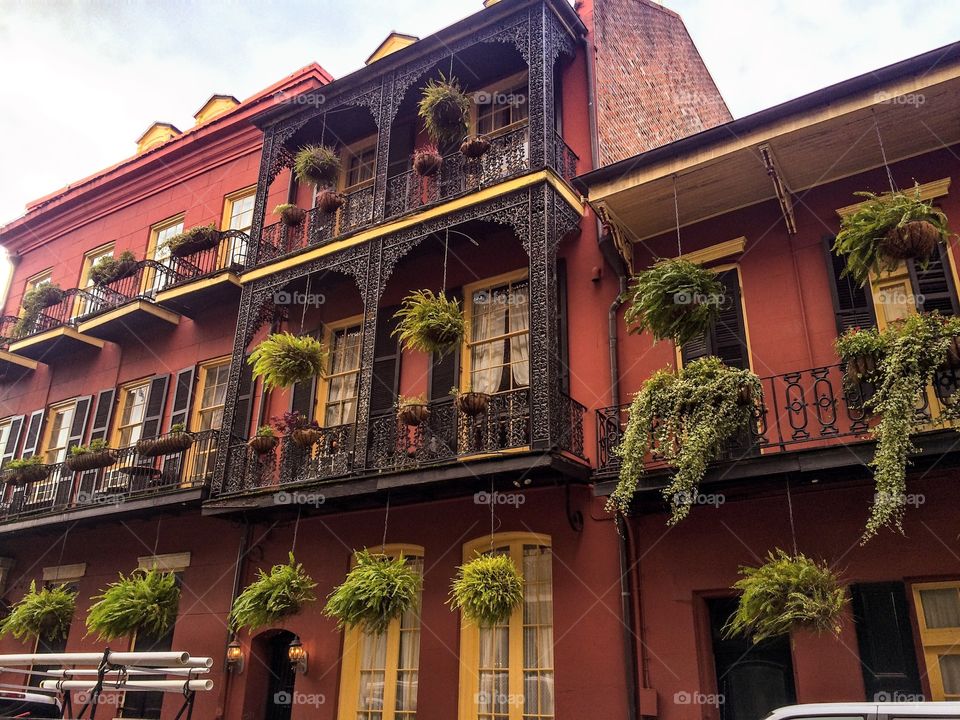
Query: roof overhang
point(810, 141)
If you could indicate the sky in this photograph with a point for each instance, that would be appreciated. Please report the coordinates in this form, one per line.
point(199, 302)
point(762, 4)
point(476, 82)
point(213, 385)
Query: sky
point(82, 80)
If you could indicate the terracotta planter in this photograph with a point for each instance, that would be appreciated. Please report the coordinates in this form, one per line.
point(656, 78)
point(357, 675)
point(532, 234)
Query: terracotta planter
point(306, 437)
point(916, 239)
point(427, 164)
point(263, 444)
point(91, 460)
point(166, 445)
point(35, 473)
point(472, 403)
point(329, 201)
point(292, 217)
point(859, 366)
point(413, 414)
point(474, 147)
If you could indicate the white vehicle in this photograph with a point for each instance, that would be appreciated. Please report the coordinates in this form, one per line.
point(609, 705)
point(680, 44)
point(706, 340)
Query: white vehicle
point(26, 704)
point(868, 711)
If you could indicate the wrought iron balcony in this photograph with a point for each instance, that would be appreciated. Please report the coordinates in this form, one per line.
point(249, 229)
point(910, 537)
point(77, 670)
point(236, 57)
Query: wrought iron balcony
point(229, 254)
point(801, 410)
point(566, 159)
point(114, 488)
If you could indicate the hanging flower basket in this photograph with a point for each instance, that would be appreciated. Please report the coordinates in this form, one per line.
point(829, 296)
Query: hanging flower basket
point(272, 596)
point(430, 323)
point(675, 299)
point(378, 590)
point(283, 359)
point(472, 403)
point(329, 201)
point(92, 457)
point(306, 437)
point(196, 239)
point(487, 590)
point(264, 441)
point(290, 215)
point(144, 601)
point(886, 229)
point(427, 161)
point(173, 443)
point(860, 349)
point(786, 593)
point(474, 147)
point(108, 270)
point(45, 614)
point(444, 109)
point(318, 165)
point(25, 471)
point(413, 411)
point(47, 295)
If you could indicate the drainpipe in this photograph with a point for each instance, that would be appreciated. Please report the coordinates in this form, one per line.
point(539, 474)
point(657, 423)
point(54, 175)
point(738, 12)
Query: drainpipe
point(626, 603)
point(237, 579)
point(612, 256)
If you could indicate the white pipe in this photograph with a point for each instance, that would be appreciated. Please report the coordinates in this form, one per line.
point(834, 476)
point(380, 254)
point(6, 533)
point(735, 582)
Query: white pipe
point(181, 659)
point(68, 672)
point(140, 685)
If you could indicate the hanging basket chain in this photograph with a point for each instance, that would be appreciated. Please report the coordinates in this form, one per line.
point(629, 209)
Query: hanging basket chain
point(883, 153)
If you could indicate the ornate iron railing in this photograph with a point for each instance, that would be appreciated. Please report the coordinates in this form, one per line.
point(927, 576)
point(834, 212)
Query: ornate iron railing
point(129, 477)
point(8, 325)
point(801, 410)
point(230, 253)
point(566, 159)
point(509, 155)
point(318, 227)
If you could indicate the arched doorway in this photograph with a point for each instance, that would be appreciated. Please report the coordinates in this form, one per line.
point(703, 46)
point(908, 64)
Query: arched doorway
point(270, 688)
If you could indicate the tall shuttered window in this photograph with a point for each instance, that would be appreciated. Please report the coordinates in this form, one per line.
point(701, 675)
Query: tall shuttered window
point(133, 411)
point(727, 338)
point(497, 353)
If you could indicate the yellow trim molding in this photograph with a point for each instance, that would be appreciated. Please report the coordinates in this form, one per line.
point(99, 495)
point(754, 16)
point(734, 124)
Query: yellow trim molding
point(928, 191)
point(226, 277)
point(716, 252)
point(53, 335)
point(129, 309)
point(9, 357)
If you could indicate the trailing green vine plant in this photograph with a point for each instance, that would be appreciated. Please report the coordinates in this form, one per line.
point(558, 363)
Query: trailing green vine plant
point(688, 418)
point(376, 591)
point(45, 613)
point(272, 596)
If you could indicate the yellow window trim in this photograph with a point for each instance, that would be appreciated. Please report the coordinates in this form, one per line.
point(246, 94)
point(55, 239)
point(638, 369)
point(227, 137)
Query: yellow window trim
point(468, 290)
point(48, 425)
point(470, 633)
point(88, 264)
point(203, 370)
point(155, 230)
point(229, 201)
point(31, 282)
point(352, 150)
point(323, 382)
point(935, 642)
point(716, 252)
point(928, 191)
point(350, 665)
point(125, 390)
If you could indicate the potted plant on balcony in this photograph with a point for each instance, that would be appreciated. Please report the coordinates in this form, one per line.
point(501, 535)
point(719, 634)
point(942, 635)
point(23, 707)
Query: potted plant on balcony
point(687, 418)
point(194, 240)
point(674, 299)
point(108, 269)
point(94, 456)
point(886, 229)
point(290, 214)
point(34, 302)
point(303, 432)
point(272, 596)
point(264, 441)
point(144, 601)
point(41, 614)
point(318, 165)
point(412, 410)
point(474, 147)
point(177, 440)
point(469, 402)
point(444, 109)
point(329, 201)
point(487, 590)
point(284, 359)
point(860, 349)
point(376, 591)
point(26, 470)
point(786, 593)
point(429, 323)
point(427, 160)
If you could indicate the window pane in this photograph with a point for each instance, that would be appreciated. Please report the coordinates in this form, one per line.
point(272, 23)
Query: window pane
point(950, 670)
point(537, 632)
point(941, 607)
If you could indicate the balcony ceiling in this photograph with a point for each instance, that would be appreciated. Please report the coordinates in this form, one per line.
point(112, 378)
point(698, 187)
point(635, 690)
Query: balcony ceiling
point(830, 135)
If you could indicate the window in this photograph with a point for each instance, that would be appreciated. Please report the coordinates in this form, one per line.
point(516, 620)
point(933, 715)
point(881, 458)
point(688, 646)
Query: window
point(133, 410)
point(498, 108)
point(93, 302)
point(41, 323)
point(209, 413)
point(157, 249)
point(238, 215)
point(381, 671)
point(506, 672)
point(359, 164)
point(338, 394)
point(5, 427)
point(938, 615)
point(55, 441)
point(498, 350)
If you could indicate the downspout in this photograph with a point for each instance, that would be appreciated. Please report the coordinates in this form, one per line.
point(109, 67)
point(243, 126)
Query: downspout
point(242, 551)
point(626, 604)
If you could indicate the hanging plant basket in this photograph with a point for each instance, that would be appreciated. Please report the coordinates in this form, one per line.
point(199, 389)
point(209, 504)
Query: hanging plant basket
point(170, 444)
point(472, 403)
point(474, 147)
point(91, 460)
point(46, 614)
point(109, 270)
point(318, 165)
point(786, 593)
point(378, 590)
point(430, 323)
point(445, 110)
point(25, 471)
point(290, 215)
point(329, 201)
point(272, 596)
point(196, 239)
point(47, 295)
point(427, 161)
point(860, 349)
point(675, 299)
point(413, 411)
point(283, 359)
point(487, 590)
point(263, 444)
point(144, 601)
point(306, 437)
point(886, 229)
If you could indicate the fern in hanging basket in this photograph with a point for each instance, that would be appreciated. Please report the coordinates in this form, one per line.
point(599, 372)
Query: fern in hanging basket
point(688, 418)
point(445, 110)
point(45, 613)
point(273, 596)
point(144, 601)
point(430, 323)
point(284, 359)
point(487, 590)
point(886, 229)
point(376, 591)
point(318, 165)
point(675, 299)
point(787, 592)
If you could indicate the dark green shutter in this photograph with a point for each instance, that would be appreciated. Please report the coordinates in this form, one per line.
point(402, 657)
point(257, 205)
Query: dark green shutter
point(243, 412)
point(727, 338)
point(386, 362)
point(182, 394)
point(156, 401)
point(933, 286)
point(78, 427)
point(852, 304)
point(33, 434)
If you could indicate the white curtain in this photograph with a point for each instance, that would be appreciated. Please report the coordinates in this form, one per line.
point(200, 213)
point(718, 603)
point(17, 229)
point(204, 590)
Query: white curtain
point(342, 393)
point(520, 344)
point(486, 361)
point(537, 632)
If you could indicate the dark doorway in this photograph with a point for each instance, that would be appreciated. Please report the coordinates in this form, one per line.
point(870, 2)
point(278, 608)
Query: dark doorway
point(752, 679)
point(282, 677)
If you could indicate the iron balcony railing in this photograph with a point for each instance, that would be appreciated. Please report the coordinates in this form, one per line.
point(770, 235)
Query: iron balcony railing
point(229, 254)
point(129, 477)
point(566, 159)
point(801, 410)
point(446, 435)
